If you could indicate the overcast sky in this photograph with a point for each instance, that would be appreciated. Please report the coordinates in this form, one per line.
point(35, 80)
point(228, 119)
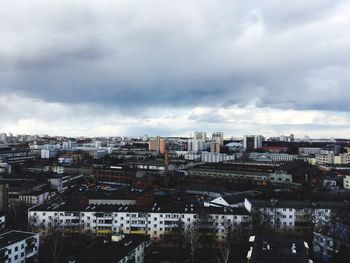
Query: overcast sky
point(167, 68)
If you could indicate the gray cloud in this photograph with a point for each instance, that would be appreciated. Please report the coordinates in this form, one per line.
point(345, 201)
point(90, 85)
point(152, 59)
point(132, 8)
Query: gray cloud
point(136, 55)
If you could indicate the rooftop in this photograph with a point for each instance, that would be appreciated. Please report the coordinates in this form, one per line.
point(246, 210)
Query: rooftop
point(299, 204)
point(111, 251)
point(282, 250)
point(155, 208)
point(13, 237)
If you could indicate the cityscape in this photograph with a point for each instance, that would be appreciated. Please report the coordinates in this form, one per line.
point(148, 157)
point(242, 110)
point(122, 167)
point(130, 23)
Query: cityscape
point(202, 198)
point(202, 131)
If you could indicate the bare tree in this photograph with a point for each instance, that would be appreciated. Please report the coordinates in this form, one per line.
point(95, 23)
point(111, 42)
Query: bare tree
point(53, 237)
point(225, 247)
point(192, 238)
point(54, 241)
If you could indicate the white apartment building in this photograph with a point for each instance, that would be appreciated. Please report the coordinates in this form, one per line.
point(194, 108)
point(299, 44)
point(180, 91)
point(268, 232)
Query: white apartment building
point(285, 214)
point(346, 182)
point(216, 157)
point(48, 153)
point(153, 221)
point(34, 198)
point(251, 142)
point(274, 157)
point(331, 158)
point(218, 137)
point(19, 247)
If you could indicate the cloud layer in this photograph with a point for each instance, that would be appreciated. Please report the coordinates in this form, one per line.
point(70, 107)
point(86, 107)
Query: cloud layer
point(126, 65)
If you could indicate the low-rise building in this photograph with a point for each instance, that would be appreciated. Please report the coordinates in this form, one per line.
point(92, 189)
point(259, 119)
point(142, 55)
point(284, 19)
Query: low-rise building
point(120, 249)
point(18, 247)
point(48, 153)
point(294, 215)
point(155, 221)
point(276, 177)
point(34, 198)
point(62, 182)
point(278, 249)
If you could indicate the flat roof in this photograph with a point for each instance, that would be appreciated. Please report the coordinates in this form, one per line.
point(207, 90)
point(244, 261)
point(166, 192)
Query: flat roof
point(299, 204)
point(278, 249)
point(155, 208)
point(111, 251)
point(13, 236)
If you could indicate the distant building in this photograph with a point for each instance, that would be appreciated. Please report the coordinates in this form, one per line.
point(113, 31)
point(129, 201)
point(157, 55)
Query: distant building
point(215, 157)
point(309, 150)
point(18, 247)
point(202, 136)
point(3, 138)
point(331, 158)
point(48, 153)
point(196, 145)
point(218, 137)
point(157, 144)
point(63, 182)
point(252, 142)
point(69, 145)
point(34, 198)
point(215, 147)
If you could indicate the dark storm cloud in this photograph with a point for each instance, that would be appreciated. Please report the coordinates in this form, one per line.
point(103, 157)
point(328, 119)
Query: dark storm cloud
point(133, 54)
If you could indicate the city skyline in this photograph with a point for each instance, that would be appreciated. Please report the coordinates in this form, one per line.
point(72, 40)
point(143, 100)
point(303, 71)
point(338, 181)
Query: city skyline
point(131, 68)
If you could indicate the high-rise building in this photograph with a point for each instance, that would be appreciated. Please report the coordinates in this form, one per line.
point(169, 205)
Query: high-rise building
point(198, 143)
point(202, 136)
point(252, 142)
point(215, 147)
point(157, 144)
point(3, 138)
point(218, 137)
point(195, 145)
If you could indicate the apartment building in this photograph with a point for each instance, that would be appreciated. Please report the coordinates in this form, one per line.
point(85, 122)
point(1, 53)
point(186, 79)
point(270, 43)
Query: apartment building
point(277, 249)
point(18, 246)
point(120, 248)
point(34, 198)
point(294, 214)
point(154, 221)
